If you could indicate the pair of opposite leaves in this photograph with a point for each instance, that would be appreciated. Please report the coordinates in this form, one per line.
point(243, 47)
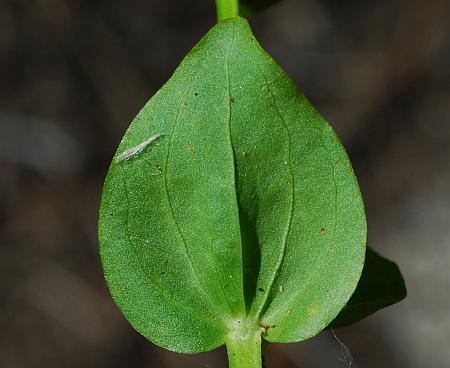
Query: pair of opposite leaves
point(231, 205)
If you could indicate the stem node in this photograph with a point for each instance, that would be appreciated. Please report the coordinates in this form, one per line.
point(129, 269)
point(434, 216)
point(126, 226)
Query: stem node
point(244, 346)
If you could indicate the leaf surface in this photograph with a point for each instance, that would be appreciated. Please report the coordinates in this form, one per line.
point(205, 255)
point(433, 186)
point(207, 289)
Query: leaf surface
point(381, 285)
point(230, 202)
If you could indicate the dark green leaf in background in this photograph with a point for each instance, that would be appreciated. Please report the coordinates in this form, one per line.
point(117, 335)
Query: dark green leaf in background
point(248, 7)
point(381, 284)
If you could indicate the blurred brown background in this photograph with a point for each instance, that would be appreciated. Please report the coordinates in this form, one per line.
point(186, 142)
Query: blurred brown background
point(74, 73)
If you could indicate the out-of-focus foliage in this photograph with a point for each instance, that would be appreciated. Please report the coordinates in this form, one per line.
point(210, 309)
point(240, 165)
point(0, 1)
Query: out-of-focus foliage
point(248, 7)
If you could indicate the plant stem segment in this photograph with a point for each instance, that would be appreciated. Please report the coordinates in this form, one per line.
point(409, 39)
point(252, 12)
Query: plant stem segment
point(244, 351)
point(227, 9)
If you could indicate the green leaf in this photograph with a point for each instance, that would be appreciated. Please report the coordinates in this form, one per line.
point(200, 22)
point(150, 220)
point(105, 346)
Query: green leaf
point(248, 7)
point(381, 285)
point(230, 210)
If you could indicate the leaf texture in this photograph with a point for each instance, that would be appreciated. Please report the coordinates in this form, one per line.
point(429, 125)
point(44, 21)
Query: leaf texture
point(230, 199)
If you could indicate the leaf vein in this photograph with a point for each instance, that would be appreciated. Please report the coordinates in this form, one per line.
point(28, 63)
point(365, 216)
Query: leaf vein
point(321, 262)
point(291, 182)
point(233, 168)
point(177, 225)
point(148, 280)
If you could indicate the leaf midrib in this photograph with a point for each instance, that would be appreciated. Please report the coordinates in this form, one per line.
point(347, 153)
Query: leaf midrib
point(233, 161)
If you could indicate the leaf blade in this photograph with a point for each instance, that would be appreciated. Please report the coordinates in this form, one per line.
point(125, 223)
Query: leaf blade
point(228, 204)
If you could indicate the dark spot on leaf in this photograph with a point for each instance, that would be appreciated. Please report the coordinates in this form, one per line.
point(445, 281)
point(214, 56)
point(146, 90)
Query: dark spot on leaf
point(196, 94)
point(232, 99)
point(158, 169)
point(162, 273)
point(245, 154)
point(322, 230)
point(261, 290)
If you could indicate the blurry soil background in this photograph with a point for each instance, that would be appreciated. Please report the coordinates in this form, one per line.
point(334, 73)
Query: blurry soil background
point(73, 74)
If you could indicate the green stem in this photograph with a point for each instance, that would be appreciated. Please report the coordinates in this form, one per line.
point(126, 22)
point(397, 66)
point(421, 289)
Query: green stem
point(244, 351)
point(227, 9)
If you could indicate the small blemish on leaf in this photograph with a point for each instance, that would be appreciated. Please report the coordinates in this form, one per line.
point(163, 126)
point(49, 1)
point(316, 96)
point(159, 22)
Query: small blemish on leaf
point(261, 290)
point(133, 151)
point(322, 230)
point(196, 94)
point(266, 328)
point(158, 169)
point(231, 99)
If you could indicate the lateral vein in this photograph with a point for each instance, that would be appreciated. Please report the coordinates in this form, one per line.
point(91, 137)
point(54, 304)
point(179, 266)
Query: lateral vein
point(287, 229)
point(177, 226)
